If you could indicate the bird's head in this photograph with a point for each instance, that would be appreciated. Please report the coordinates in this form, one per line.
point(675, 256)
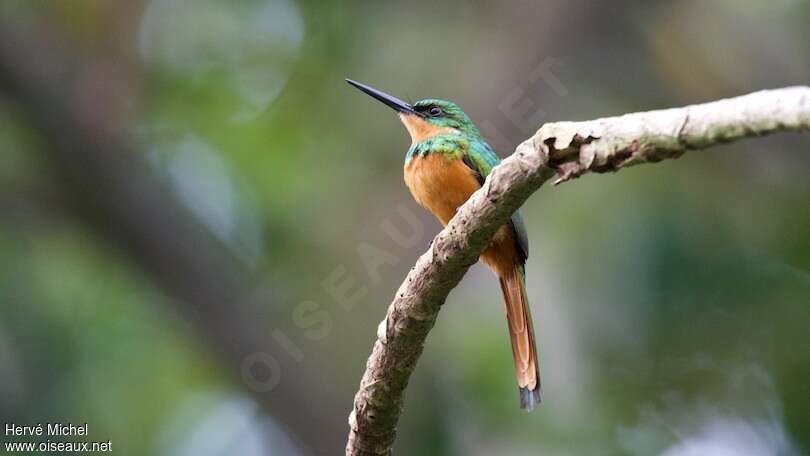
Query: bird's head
point(425, 118)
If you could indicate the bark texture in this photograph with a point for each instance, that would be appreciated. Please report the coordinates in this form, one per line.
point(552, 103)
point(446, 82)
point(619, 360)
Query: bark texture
point(567, 149)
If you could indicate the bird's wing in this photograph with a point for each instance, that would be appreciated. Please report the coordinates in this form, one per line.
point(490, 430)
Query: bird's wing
point(480, 158)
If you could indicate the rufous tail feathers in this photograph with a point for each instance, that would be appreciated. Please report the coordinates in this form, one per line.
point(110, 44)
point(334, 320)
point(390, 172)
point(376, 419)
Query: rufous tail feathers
point(521, 334)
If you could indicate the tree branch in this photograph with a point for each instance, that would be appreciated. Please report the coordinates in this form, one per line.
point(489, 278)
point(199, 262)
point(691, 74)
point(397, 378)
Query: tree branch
point(568, 149)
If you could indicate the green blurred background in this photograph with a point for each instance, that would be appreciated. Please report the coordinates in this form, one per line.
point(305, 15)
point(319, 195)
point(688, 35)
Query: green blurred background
point(671, 301)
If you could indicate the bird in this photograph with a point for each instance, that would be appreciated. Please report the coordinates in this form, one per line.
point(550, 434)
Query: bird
point(449, 160)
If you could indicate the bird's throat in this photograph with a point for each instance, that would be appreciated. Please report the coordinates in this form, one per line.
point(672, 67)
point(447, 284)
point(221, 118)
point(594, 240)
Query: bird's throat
point(420, 129)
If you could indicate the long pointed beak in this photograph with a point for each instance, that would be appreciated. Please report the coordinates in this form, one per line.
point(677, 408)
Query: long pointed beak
point(392, 101)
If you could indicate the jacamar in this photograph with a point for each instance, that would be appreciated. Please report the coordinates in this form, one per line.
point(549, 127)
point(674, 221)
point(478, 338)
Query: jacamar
point(448, 160)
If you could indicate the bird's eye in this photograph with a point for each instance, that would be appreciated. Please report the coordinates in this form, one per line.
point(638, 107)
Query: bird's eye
point(435, 111)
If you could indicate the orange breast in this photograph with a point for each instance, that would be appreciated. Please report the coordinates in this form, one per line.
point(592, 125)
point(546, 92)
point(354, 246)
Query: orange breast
point(440, 184)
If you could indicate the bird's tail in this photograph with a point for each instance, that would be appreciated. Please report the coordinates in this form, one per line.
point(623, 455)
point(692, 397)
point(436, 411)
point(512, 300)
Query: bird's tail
point(521, 333)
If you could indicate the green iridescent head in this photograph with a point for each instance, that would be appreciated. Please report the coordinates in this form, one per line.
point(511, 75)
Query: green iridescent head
point(425, 117)
point(445, 114)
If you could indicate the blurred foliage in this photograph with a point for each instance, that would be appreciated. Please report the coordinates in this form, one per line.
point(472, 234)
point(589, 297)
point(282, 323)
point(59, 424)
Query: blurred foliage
point(671, 314)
